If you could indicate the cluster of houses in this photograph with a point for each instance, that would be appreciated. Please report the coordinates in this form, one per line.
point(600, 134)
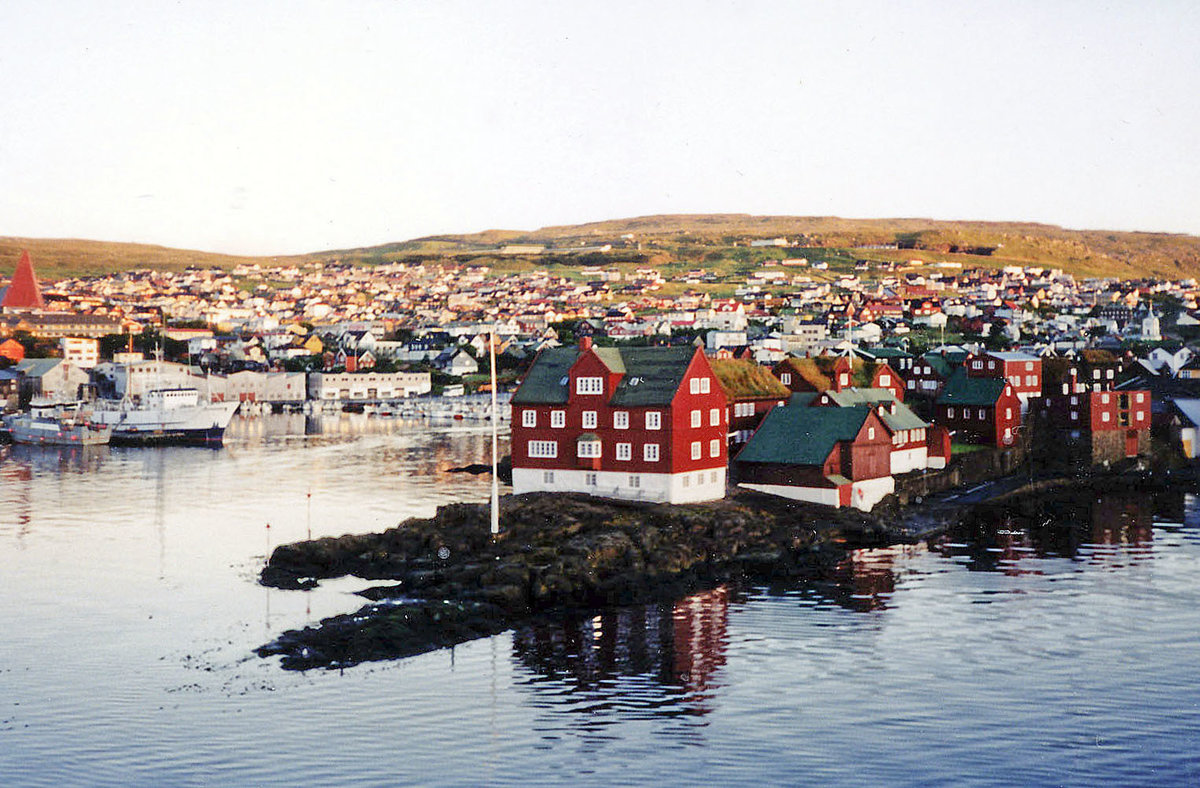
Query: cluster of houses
point(671, 424)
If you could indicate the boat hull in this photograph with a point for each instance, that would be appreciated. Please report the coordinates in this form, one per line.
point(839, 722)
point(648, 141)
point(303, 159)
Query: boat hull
point(133, 436)
point(39, 435)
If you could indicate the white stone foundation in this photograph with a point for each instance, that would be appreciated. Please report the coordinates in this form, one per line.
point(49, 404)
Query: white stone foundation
point(706, 485)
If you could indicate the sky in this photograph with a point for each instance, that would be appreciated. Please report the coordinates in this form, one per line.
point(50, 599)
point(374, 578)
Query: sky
point(256, 127)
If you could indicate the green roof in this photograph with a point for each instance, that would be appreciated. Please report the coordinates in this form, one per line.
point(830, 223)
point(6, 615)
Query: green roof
point(797, 434)
point(651, 375)
point(741, 379)
point(962, 389)
point(902, 419)
point(546, 382)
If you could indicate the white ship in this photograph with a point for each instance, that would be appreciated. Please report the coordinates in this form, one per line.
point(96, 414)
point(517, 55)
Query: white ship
point(168, 415)
point(57, 424)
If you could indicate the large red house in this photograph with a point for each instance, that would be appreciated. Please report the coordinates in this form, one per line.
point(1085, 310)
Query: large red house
point(640, 423)
point(1086, 419)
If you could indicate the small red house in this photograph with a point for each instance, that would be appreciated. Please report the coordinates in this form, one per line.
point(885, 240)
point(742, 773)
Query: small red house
point(833, 456)
point(12, 350)
point(642, 423)
point(835, 373)
point(1021, 370)
point(752, 391)
point(979, 410)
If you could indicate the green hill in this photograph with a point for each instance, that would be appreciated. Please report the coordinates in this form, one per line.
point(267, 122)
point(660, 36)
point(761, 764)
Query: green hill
point(691, 239)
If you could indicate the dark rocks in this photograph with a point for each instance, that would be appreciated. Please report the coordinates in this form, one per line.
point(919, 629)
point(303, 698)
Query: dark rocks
point(555, 553)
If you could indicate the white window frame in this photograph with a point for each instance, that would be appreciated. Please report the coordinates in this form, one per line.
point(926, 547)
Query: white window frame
point(1104, 416)
point(624, 451)
point(697, 418)
point(590, 479)
point(705, 386)
point(589, 385)
point(542, 450)
point(714, 417)
point(785, 378)
point(650, 452)
point(589, 420)
point(714, 447)
point(697, 450)
point(558, 419)
point(653, 420)
point(588, 450)
point(620, 419)
point(529, 417)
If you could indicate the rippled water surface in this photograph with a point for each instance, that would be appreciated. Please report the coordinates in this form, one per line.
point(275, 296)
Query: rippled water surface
point(1056, 647)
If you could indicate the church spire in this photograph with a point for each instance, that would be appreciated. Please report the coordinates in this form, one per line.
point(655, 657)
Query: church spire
point(24, 292)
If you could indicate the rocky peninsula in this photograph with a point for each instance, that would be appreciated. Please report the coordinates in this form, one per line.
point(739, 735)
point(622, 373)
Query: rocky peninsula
point(445, 580)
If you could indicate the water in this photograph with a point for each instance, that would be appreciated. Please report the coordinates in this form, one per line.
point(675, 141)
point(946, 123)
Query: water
point(1012, 652)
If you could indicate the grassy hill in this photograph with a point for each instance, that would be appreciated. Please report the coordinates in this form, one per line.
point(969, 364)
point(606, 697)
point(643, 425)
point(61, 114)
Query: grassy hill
point(717, 241)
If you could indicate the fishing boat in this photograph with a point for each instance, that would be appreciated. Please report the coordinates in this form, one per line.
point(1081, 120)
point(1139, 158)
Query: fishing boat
point(57, 424)
point(167, 416)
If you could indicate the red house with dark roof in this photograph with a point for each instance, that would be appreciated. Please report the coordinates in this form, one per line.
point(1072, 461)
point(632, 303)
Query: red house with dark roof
point(640, 423)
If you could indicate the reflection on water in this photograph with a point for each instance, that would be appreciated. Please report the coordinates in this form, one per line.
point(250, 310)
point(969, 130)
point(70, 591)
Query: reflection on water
point(1044, 645)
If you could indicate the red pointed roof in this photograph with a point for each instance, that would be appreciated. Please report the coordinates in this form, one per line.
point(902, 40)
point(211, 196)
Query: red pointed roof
point(24, 292)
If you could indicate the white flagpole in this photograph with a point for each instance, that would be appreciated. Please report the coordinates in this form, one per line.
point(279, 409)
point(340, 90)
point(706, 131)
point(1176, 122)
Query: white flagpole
point(495, 428)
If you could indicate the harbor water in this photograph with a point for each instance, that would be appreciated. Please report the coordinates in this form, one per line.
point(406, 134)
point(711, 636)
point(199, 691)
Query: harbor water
point(1058, 648)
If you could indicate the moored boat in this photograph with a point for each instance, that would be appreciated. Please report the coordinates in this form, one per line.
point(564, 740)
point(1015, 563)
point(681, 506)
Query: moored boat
point(57, 424)
point(168, 416)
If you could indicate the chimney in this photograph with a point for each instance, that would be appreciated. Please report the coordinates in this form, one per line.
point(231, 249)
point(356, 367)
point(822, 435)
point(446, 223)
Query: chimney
point(585, 343)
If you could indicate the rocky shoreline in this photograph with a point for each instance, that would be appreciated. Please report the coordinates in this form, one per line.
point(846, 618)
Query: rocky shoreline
point(445, 580)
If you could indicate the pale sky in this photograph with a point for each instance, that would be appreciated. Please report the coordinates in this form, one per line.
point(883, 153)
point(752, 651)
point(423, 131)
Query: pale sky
point(278, 127)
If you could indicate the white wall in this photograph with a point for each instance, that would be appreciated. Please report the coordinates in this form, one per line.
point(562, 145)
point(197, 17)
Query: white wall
point(907, 460)
point(659, 487)
point(823, 495)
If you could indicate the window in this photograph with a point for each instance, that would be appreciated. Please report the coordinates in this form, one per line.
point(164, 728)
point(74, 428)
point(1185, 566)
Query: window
point(714, 417)
point(1104, 399)
point(1074, 400)
point(1109, 374)
point(589, 385)
point(1029, 366)
point(624, 451)
point(529, 418)
point(885, 380)
point(1095, 374)
point(694, 385)
point(786, 378)
point(714, 447)
point(870, 433)
point(976, 365)
point(705, 385)
point(650, 452)
point(589, 419)
point(543, 449)
point(696, 450)
point(558, 418)
point(588, 449)
point(653, 420)
point(696, 418)
point(589, 479)
point(635, 482)
point(1008, 413)
point(1074, 415)
point(1140, 397)
point(981, 416)
point(687, 480)
point(1104, 416)
point(1141, 416)
point(910, 383)
point(620, 420)
point(845, 379)
point(700, 385)
point(950, 413)
point(712, 477)
point(547, 477)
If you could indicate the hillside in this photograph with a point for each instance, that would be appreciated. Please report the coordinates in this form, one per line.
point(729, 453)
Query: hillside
point(702, 238)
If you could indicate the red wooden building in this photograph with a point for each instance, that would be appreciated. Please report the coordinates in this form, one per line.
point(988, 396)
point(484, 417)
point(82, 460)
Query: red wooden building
point(1084, 419)
point(646, 423)
point(833, 456)
point(752, 391)
point(835, 373)
point(1021, 370)
point(979, 410)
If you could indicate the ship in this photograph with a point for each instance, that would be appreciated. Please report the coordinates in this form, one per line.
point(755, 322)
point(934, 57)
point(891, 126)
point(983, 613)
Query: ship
point(177, 416)
point(57, 424)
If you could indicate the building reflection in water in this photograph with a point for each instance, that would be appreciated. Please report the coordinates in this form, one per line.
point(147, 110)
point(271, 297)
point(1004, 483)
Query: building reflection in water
point(998, 538)
point(660, 659)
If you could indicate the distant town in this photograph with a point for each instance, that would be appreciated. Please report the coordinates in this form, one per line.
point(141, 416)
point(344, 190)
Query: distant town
point(822, 386)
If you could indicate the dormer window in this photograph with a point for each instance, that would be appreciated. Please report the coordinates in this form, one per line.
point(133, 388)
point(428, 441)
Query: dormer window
point(589, 385)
